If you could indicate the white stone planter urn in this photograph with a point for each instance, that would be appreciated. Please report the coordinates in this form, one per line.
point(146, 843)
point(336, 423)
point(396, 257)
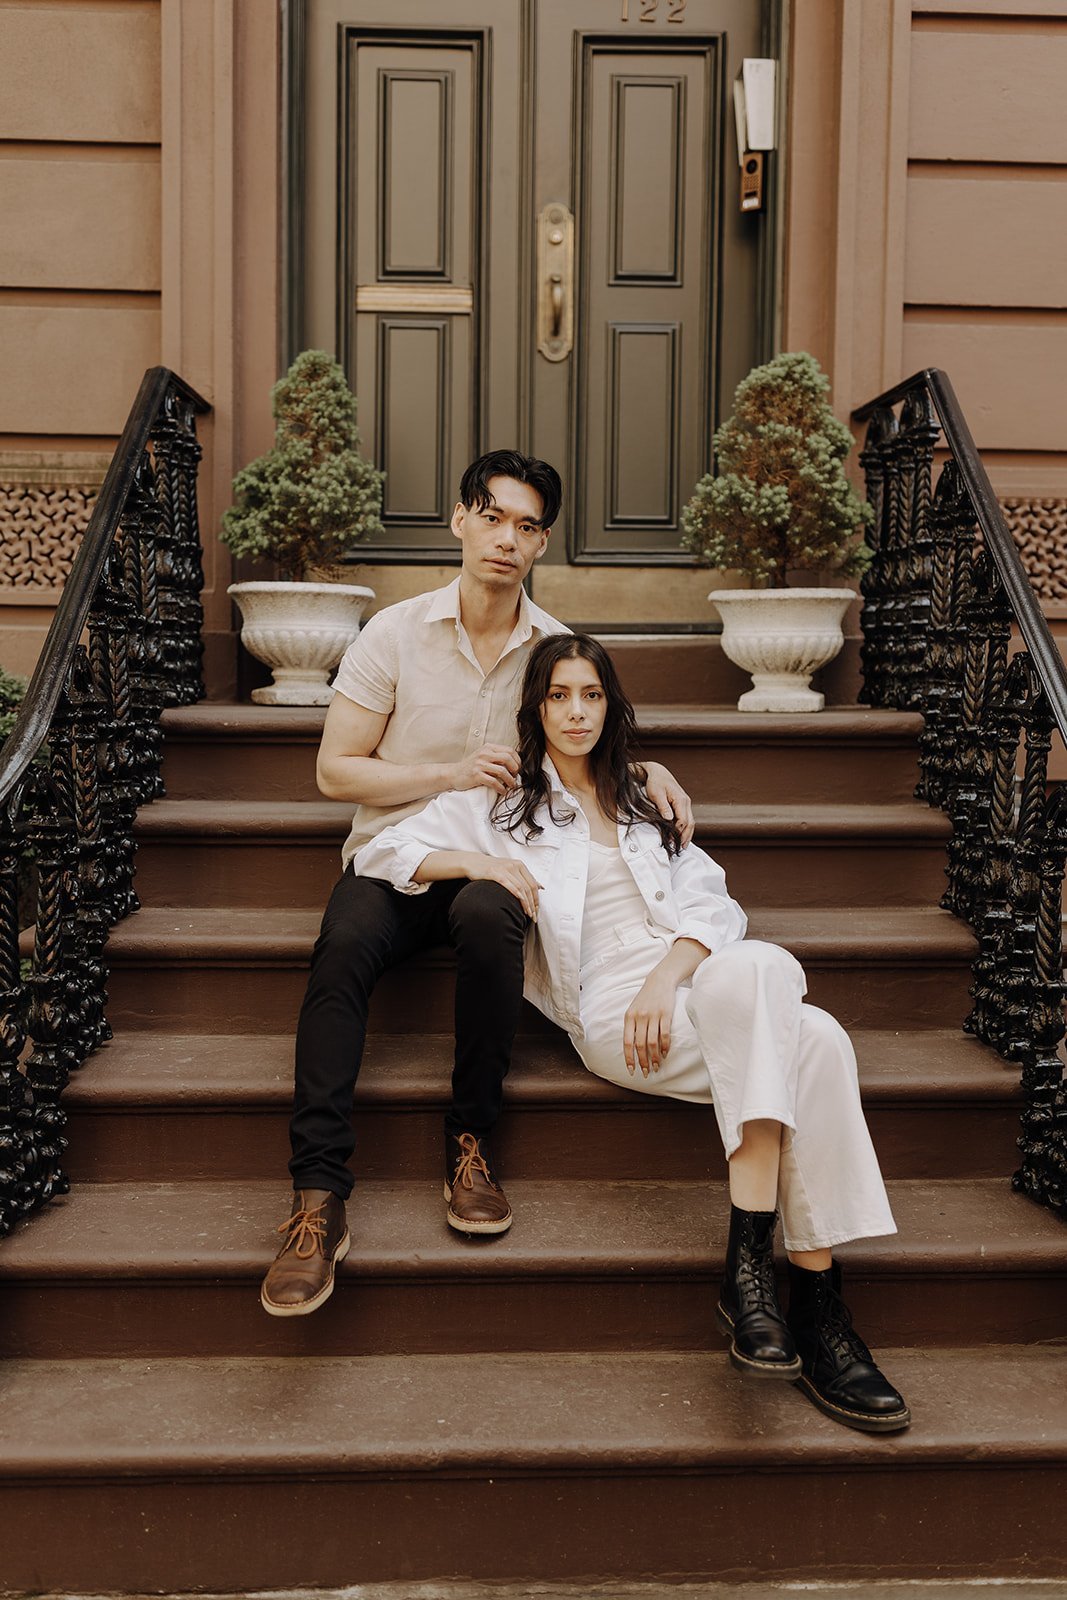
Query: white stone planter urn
point(301, 631)
point(781, 636)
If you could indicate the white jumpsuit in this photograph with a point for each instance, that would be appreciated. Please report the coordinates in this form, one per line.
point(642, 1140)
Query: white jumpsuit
point(741, 1039)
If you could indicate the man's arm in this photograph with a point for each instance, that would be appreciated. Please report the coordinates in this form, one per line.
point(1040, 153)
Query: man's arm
point(669, 798)
point(348, 769)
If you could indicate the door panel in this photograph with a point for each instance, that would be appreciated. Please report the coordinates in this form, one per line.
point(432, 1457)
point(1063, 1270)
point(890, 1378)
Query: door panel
point(637, 137)
point(432, 150)
point(410, 228)
point(414, 142)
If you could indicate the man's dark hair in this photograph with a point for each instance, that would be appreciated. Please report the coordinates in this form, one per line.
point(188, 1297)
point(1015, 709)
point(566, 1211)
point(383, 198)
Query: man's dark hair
point(474, 485)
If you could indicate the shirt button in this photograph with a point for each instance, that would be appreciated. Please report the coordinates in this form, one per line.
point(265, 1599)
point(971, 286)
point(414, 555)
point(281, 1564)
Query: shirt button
point(660, 895)
point(633, 849)
point(484, 693)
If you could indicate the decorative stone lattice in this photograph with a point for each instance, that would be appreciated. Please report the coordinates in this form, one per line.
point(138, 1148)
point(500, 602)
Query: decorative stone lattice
point(1039, 528)
point(41, 527)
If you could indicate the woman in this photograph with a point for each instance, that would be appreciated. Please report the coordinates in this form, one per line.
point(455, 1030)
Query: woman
point(639, 953)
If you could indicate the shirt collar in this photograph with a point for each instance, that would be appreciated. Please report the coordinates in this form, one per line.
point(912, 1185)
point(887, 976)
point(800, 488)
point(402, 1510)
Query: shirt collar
point(444, 603)
point(444, 607)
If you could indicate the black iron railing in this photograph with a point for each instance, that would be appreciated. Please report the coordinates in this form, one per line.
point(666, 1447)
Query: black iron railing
point(942, 596)
point(84, 753)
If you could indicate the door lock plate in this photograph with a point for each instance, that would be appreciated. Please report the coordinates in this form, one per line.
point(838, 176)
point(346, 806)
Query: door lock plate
point(555, 282)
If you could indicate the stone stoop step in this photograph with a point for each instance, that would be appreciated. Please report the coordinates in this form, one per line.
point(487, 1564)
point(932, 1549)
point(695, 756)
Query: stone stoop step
point(240, 970)
point(266, 853)
point(174, 1268)
point(847, 753)
point(245, 1473)
point(939, 1105)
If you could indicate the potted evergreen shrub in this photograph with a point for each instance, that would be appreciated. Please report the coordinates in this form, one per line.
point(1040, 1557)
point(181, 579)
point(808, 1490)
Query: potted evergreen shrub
point(780, 501)
point(304, 504)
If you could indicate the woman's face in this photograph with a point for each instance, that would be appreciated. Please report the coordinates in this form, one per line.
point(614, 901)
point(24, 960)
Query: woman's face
point(574, 709)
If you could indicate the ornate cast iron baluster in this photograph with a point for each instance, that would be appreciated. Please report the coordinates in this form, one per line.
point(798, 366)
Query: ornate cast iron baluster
point(919, 432)
point(92, 924)
point(987, 619)
point(17, 1159)
point(179, 568)
point(951, 536)
point(52, 1020)
point(108, 644)
point(880, 431)
point(995, 984)
point(1043, 1141)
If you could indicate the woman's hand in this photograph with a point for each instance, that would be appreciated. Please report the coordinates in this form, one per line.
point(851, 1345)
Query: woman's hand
point(646, 1035)
point(511, 875)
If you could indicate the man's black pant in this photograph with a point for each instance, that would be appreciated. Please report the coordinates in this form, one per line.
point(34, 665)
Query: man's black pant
point(368, 927)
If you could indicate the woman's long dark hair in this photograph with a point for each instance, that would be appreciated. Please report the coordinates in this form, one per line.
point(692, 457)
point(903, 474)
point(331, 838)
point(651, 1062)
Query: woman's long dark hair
point(617, 775)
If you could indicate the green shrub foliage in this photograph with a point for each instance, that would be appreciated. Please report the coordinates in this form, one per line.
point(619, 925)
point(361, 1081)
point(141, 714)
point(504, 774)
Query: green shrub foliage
point(312, 497)
point(12, 691)
point(780, 498)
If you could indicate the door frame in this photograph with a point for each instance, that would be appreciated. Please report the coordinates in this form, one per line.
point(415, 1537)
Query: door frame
point(293, 26)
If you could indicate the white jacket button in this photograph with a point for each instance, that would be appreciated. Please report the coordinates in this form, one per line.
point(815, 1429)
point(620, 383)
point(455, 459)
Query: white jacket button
point(633, 849)
point(660, 895)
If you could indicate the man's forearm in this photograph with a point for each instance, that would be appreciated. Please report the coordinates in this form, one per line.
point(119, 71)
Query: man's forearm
point(369, 781)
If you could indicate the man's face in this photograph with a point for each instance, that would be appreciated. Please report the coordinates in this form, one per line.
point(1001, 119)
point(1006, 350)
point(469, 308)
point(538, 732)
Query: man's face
point(501, 540)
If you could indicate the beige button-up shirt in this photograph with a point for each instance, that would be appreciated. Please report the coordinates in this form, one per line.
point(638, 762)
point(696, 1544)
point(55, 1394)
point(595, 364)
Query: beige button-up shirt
point(414, 663)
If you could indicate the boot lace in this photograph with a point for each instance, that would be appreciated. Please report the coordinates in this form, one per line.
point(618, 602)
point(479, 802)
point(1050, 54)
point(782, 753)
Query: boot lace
point(307, 1232)
point(838, 1334)
point(471, 1161)
point(756, 1287)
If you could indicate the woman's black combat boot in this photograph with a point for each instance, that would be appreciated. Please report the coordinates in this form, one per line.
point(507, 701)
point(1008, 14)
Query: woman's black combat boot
point(839, 1375)
point(748, 1311)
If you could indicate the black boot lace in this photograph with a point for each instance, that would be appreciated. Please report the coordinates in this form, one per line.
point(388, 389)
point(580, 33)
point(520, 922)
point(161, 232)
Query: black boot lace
point(756, 1286)
point(837, 1333)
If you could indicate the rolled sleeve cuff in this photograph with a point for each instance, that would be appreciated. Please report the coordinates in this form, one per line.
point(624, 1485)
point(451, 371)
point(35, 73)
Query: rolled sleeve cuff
point(713, 934)
point(396, 864)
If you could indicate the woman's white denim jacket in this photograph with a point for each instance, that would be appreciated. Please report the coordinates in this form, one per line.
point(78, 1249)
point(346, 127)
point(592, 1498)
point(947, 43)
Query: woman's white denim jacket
point(685, 895)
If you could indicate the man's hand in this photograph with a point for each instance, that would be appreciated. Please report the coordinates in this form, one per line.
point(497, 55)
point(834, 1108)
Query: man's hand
point(494, 766)
point(669, 798)
point(511, 875)
point(646, 1034)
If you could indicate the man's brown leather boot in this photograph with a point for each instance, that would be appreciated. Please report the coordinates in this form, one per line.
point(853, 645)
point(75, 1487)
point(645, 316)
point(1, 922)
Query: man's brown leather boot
point(300, 1278)
point(476, 1202)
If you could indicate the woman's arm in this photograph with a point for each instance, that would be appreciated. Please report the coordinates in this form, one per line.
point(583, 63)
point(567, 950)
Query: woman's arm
point(442, 865)
point(706, 910)
point(646, 1035)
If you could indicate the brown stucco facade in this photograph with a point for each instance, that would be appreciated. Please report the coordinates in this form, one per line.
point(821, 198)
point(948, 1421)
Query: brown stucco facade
point(143, 146)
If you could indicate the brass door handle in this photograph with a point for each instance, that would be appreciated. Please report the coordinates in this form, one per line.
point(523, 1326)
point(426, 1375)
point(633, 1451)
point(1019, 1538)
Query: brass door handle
point(555, 282)
point(557, 305)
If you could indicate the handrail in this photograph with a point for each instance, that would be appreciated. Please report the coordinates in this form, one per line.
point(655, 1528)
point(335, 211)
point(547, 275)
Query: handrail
point(85, 752)
point(31, 725)
point(1024, 603)
point(943, 592)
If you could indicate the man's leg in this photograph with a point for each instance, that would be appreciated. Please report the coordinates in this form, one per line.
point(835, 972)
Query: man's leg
point(487, 927)
point(367, 927)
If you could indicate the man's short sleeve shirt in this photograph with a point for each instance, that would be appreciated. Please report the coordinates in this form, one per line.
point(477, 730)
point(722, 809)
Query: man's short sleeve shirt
point(413, 662)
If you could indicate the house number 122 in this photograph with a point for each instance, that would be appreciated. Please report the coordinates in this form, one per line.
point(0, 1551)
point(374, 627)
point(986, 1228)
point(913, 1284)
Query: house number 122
point(647, 9)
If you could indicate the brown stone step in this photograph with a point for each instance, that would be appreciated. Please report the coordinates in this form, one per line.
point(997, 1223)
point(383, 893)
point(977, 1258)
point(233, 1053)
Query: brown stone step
point(173, 1269)
point(267, 853)
point(153, 1105)
point(243, 1474)
point(262, 753)
point(208, 969)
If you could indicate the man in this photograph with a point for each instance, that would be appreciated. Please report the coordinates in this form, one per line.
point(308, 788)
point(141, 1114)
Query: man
point(425, 702)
